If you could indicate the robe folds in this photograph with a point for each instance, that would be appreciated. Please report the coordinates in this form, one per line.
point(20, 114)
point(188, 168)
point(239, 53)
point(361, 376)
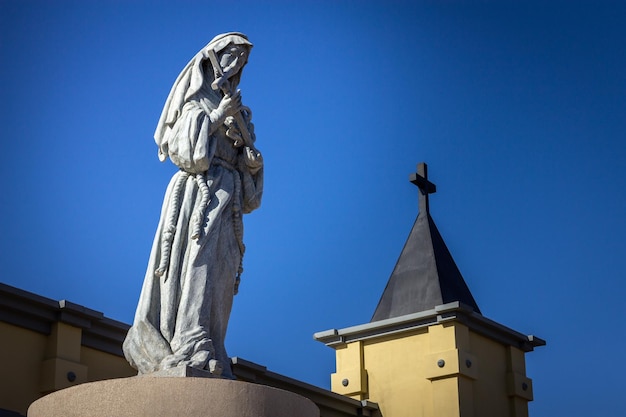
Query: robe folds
point(182, 314)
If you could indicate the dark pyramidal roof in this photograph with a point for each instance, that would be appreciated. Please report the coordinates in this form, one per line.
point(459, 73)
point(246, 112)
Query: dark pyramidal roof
point(425, 275)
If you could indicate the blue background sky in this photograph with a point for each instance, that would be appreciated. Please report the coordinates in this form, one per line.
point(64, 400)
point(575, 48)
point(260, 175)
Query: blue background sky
point(517, 107)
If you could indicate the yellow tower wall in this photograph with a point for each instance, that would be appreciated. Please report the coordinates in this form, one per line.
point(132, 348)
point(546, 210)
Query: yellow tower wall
point(429, 366)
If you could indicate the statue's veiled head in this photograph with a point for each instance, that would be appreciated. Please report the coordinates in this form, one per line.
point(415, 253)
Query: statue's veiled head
point(230, 51)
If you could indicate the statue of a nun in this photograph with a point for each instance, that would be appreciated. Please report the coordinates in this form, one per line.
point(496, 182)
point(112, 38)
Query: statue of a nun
point(195, 264)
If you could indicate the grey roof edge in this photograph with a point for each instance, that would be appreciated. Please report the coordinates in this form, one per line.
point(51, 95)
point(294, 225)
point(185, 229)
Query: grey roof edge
point(454, 311)
point(37, 313)
point(330, 403)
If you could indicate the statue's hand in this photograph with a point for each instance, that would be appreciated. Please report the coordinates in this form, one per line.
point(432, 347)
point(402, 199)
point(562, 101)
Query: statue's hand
point(233, 131)
point(253, 159)
point(230, 104)
point(219, 83)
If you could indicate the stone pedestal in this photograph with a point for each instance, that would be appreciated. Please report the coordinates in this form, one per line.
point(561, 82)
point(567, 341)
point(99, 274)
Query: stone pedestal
point(172, 396)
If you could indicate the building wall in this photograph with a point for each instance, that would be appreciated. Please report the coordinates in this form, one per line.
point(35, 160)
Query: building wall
point(103, 365)
point(21, 355)
point(47, 345)
point(34, 364)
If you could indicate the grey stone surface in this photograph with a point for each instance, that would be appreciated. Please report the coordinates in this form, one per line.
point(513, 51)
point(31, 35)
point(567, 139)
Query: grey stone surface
point(196, 259)
point(167, 397)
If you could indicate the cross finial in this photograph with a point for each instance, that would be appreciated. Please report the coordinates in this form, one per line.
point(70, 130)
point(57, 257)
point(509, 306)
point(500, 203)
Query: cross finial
point(420, 178)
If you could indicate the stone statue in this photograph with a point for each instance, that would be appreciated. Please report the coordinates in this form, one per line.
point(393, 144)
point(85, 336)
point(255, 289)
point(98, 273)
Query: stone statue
point(195, 264)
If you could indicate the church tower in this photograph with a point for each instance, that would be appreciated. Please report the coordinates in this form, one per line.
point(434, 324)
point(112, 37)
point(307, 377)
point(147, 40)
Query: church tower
point(428, 351)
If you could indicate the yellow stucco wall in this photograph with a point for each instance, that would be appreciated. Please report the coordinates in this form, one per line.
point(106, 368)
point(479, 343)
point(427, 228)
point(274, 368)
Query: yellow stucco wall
point(490, 394)
point(104, 365)
point(21, 355)
point(396, 379)
point(33, 364)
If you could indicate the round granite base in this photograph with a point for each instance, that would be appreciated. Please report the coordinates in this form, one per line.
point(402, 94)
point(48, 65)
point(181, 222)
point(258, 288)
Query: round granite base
point(172, 396)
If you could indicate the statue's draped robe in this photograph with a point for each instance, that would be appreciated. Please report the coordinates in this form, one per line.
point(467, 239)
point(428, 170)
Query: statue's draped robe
point(182, 316)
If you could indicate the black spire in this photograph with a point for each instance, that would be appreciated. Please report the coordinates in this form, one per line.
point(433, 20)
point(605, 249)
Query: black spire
point(425, 275)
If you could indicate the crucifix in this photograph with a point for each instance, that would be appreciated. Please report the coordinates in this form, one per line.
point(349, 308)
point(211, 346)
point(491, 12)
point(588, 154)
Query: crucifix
point(420, 178)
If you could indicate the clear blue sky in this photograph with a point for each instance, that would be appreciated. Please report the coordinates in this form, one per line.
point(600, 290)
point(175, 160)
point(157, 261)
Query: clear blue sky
point(518, 108)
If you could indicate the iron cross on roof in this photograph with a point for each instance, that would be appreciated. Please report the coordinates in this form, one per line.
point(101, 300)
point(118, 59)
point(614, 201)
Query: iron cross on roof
point(420, 178)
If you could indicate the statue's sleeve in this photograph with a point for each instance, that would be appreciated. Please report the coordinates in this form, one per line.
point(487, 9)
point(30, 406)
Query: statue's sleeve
point(252, 187)
point(189, 140)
